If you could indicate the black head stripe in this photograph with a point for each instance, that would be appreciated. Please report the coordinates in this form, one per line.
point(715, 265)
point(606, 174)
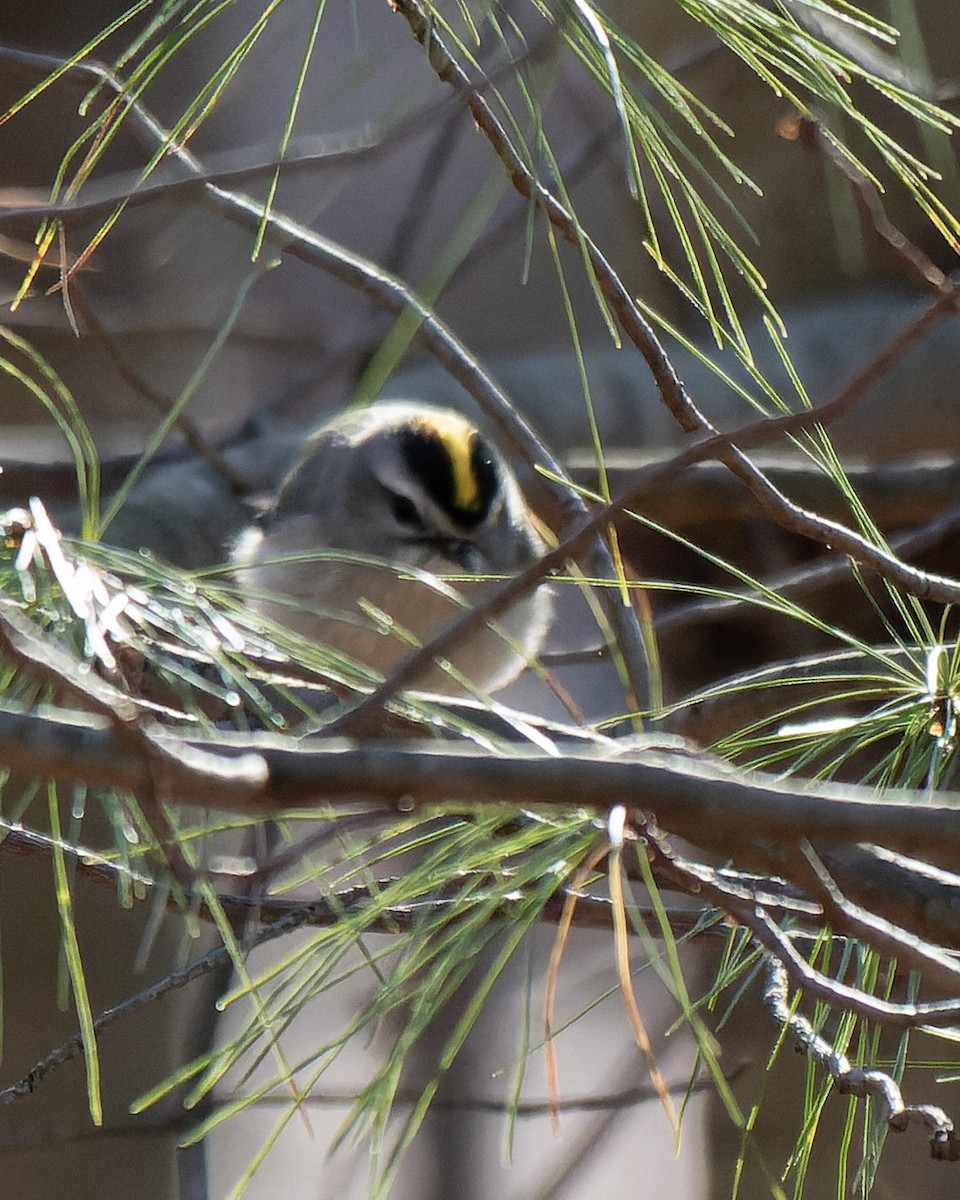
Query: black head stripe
point(454, 466)
point(486, 474)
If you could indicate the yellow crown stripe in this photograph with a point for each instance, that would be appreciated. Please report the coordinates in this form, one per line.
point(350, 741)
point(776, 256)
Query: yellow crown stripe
point(457, 437)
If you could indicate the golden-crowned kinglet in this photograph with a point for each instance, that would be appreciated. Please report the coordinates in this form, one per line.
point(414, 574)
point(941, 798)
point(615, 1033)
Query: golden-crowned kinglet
point(418, 487)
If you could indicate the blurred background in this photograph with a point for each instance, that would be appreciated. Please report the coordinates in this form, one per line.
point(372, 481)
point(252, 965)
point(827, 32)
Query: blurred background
point(386, 163)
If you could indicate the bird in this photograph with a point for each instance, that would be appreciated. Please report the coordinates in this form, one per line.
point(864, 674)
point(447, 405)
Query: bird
point(384, 501)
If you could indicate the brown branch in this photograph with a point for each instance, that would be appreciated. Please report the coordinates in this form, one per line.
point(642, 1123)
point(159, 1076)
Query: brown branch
point(700, 798)
point(885, 936)
point(73, 1046)
point(914, 263)
point(392, 294)
point(924, 585)
point(909, 490)
point(911, 894)
point(315, 152)
point(624, 1098)
point(631, 319)
point(843, 996)
point(748, 909)
point(593, 912)
point(121, 746)
point(282, 918)
point(854, 1080)
point(180, 1121)
point(191, 433)
point(802, 581)
point(785, 963)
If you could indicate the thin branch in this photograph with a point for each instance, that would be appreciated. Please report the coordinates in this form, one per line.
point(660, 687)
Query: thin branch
point(841, 995)
point(911, 894)
point(393, 295)
point(905, 491)
point(750, 912)
point(807, 524)
point(416, 216)
point(785, 963)
point(623, 1098)
point(298, 917)
point(937, 965)
point(854, 1080)
point(802, 581)
point(287, 917)
point(593, 912)
point(700, 798)
point(316, 152)
point(73, 1046)
point(635, 325)
point(915, 264)
point(191, 434)
point(165, 1122)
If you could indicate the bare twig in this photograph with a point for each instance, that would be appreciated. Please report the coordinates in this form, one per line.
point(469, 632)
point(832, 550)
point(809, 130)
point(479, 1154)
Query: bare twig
point(192, 435)
point(784, 964)
point(283, 918)
point(841, 995)
point(854, 1080)
point(855, 921)
point(313, 153)
point(915, 264)
point(92, 867)
point(624, 1098)
point(908, 490)
point(911, 894)
point(635, 325)
point(749, 911)
point(801, 581)
point(176, 979)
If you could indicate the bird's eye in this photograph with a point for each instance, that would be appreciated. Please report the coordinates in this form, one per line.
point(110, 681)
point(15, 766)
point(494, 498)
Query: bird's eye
point(405, 511)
